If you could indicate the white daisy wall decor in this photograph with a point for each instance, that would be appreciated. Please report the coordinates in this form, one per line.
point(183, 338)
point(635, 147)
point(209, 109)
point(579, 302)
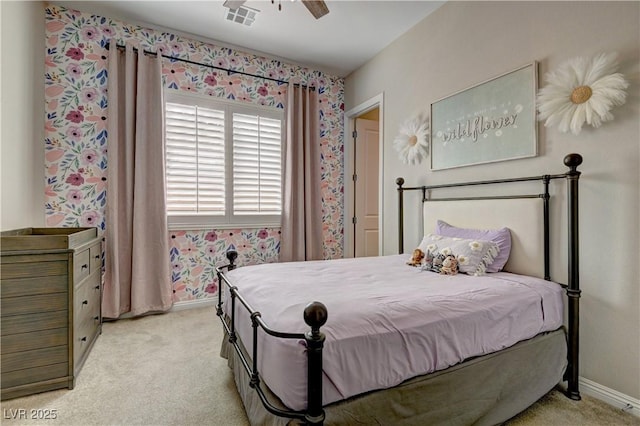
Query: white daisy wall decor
point(412, 142)
point(582, 90)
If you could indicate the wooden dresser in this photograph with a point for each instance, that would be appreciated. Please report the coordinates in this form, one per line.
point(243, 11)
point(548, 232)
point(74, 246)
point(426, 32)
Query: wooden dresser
point(51, 292)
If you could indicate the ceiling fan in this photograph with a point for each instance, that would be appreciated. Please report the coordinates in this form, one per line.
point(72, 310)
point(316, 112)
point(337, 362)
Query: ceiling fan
point(318, 8)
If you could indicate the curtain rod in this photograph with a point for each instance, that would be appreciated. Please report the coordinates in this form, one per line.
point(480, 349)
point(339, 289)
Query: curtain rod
point(230, 71)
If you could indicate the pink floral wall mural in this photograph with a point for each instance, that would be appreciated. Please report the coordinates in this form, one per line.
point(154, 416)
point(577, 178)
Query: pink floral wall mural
point(194, 254)
point(76, 138)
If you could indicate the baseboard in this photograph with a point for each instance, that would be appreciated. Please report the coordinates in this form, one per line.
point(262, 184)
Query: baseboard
point(610, 396)
point(193, 304)
point(178, 306)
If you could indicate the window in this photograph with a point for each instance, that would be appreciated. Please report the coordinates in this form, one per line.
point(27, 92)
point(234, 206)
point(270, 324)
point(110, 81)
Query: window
point(223, 163)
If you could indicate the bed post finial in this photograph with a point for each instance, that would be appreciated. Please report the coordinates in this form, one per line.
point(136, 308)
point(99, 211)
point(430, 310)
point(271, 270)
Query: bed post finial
point(573, 289)
point(573, 161)
point(315, 315)
point(232, 255)
point(400, 182)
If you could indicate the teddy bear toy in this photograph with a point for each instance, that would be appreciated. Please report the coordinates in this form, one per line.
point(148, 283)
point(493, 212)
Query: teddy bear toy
point(416, 258)
point(449, 266)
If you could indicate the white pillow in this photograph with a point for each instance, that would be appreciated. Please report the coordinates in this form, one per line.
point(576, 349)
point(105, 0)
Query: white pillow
point(502, 237)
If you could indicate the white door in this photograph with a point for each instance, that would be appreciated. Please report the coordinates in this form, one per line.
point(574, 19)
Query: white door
point(366, 188)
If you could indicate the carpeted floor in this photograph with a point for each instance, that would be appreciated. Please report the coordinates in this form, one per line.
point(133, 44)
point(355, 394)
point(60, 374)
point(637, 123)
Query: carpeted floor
point(165, 370)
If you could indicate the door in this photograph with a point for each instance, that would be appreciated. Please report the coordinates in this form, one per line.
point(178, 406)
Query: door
point(366, 188)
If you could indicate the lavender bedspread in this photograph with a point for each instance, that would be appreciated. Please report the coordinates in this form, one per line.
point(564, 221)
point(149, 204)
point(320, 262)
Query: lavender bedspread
point(387, 321)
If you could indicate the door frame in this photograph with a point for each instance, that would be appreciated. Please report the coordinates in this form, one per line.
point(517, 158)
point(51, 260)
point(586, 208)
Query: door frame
point(349, 186)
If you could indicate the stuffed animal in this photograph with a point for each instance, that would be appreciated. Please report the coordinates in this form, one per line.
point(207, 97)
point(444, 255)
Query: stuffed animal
point(436, 262)
point(427, 262)
point(449, 266)
point(416, 258)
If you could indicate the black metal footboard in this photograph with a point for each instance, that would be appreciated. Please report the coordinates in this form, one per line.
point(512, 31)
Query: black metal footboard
point(315, 316)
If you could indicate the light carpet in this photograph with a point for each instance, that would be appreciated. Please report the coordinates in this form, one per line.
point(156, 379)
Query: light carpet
point(166, 370)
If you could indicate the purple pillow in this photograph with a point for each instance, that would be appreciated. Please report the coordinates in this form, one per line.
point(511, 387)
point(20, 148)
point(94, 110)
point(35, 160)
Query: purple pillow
point(502, 237)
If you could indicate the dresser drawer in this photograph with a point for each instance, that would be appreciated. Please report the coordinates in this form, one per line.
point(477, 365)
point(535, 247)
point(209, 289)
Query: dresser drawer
point(16, 324)
point(81, 262)
point(34, 358)
point(87, 300)
point(31, 286)
point(84, 334)
point(33, 304)
point(95, 257)
point(34, 340)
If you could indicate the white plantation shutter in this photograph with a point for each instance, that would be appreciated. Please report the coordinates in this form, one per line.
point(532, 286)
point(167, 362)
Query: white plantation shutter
point(195, 160)
point(224, 162)
point(257, 165)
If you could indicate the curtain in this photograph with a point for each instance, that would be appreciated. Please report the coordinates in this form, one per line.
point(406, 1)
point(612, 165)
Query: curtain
point(301, 233)
point(137, 264)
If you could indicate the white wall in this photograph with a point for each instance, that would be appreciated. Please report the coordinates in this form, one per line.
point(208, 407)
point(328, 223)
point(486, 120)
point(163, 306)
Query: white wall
point(465, 43)
point(22, 95)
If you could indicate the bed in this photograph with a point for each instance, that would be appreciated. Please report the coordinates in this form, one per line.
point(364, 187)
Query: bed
point(385, 343)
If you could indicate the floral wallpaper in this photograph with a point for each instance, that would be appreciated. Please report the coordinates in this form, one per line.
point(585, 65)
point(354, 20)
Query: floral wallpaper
point(76, 138)
point(194, 254)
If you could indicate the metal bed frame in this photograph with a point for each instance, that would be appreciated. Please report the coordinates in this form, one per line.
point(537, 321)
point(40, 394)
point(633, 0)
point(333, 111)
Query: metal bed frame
point(315, 313)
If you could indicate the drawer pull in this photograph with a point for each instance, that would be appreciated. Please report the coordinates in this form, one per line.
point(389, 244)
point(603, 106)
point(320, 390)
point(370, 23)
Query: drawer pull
point(84, 339)
point(85, 302)
point(96, 318)
point(85, 266)
point(97, 287)
point(97, 256)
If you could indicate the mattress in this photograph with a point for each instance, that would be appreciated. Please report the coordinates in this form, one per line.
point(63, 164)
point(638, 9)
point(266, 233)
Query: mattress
point(387, 322)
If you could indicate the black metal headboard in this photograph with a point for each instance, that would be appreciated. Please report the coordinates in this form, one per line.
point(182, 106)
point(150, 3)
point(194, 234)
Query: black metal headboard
point(573, 287)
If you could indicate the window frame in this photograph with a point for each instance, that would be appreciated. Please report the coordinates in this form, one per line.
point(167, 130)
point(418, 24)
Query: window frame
point(229, 220)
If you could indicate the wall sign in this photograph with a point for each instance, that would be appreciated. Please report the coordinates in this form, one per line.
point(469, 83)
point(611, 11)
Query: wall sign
point(492, 121)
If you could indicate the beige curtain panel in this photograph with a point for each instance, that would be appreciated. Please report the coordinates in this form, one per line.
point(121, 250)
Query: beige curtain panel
point(137, 275)
point(301, 237)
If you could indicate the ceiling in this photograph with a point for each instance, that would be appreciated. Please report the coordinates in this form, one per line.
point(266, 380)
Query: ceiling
point(338, 43)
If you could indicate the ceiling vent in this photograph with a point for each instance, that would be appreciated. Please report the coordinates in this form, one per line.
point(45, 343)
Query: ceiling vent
point(242, 15)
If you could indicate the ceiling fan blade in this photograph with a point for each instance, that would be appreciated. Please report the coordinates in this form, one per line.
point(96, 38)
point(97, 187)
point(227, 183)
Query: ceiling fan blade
point(233, 4)
point(318, 8)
